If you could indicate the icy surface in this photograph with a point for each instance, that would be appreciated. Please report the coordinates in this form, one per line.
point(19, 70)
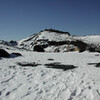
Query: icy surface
point(41, 83)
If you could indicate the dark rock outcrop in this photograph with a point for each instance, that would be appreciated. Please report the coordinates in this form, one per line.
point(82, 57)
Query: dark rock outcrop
point(13, 43)
point(38, 48)
point(4, 53)
point(80, 44)
point(54, 43)
point(16, 54)
point(58, 65)
point(91, 49)
point(57, 31)
point(98, 65)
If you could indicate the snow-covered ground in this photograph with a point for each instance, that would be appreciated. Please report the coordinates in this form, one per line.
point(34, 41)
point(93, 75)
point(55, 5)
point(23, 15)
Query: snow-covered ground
point(41, 83)
point(92, 39)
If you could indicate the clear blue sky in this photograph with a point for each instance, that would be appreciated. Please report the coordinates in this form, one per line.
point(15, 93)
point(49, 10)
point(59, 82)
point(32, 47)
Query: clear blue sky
point(21, 18)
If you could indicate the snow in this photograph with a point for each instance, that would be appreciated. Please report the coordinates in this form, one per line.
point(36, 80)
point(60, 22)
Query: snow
point(53, 36)
point(42, 83)
point(92, 39)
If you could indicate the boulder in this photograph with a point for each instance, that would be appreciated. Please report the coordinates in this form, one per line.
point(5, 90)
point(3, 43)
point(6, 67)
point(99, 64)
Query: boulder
point(16, 54)
point(4, 53)
point(38, 48)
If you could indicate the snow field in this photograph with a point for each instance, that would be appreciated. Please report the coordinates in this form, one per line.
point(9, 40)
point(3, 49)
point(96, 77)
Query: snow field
point(41, 83)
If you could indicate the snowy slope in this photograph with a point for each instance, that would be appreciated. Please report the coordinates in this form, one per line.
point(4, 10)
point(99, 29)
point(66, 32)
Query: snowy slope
point(42, 83)
point(52, 36)
point(46, 35)
point(92, 39)
point(42, 38)
point(52, 41)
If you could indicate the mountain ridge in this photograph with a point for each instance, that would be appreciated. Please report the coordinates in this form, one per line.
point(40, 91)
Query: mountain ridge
point(51, 40)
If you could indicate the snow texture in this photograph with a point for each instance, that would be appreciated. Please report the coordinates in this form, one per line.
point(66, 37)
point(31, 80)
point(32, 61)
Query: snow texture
point(32, 82)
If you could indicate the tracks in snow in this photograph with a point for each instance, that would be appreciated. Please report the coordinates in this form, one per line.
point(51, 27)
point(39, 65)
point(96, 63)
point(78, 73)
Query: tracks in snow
point(40, 83)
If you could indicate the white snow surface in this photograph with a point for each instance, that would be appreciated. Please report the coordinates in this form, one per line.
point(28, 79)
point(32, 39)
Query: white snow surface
point(41, 83)
point(92, 39)
point(53, 36)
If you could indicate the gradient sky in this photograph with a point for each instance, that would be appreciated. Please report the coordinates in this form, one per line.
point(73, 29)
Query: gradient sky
point(21, 18)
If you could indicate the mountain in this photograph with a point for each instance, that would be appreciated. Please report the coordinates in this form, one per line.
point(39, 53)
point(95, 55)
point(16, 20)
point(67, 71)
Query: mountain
point(28, 75)
point(43, 37)
point(51, 40)
point(10, 43)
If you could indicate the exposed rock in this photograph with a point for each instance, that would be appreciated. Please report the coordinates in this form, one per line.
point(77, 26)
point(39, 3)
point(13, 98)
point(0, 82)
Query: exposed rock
point(98, 65)
point(38, 48)
point(80, 44)
point(91, 49)
point(4, 53)
point(95, 64)
point(51, 40)
point(58, 65)
point(57, 31)
point(54, 43)
point(16, 54)
point(50, 59)
point(13, 43)
point(27, 64)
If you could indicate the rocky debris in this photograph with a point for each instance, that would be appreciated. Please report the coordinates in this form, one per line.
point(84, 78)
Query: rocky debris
point(95, 64)
point(58, 65)
point(27, 64)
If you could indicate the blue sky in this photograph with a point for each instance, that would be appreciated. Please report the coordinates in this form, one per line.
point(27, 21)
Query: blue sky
point(21, 18)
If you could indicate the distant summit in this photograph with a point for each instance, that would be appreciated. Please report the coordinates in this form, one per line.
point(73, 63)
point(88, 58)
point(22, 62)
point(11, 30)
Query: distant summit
point(57, 31)
point(51, 40)
point(45, 38)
